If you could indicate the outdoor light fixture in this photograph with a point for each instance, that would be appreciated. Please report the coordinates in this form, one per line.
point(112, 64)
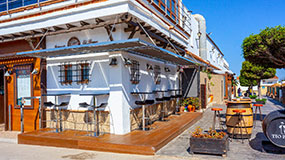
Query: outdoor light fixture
point(8, 73)
point(113, 62)
point(128, 62)
point(167, 69)
point(199, 34)
point(35, 71)
point(149, 67)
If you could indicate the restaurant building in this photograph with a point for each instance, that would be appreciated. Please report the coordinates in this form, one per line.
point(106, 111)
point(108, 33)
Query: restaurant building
point(126, 58)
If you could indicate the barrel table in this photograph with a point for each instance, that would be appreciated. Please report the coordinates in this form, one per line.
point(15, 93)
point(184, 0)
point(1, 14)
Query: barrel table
point(274, 127)
point(232, 121)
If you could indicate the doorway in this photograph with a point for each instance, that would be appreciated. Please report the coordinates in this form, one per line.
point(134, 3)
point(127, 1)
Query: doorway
point(2, 92)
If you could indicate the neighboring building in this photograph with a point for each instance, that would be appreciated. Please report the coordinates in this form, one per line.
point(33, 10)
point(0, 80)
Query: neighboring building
point(265, 83)
point(110, 49)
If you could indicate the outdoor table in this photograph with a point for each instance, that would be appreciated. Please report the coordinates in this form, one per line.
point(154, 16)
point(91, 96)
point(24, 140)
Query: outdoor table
point(94, 96)
point(143, 106)
point(55, 103)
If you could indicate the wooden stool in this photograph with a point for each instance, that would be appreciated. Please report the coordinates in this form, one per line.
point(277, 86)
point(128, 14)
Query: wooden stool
point(217, 112)
point(257, 106)
point(240, 119)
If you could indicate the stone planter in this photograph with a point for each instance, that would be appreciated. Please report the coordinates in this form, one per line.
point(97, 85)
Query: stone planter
point(209, 145)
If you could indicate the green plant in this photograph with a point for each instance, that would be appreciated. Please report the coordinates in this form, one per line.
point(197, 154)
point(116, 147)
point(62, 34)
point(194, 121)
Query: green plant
point(261, 100)
point(253, 96)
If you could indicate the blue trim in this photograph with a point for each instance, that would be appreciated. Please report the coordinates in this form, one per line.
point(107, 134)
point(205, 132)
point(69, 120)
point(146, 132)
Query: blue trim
point(137, 40)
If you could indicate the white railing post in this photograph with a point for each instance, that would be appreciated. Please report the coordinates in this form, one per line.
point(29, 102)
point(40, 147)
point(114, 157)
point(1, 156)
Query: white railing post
point(7, 6)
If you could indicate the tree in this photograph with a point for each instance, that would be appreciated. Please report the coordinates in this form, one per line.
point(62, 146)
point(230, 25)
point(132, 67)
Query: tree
point(252, 74)
point(266, 48)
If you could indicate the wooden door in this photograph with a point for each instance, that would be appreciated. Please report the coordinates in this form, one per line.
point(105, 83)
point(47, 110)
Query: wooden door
point(1, 96)
point(203, 96)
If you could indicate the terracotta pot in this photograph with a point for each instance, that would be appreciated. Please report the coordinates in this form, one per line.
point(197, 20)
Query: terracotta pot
point(181, 108)
point(191, 108)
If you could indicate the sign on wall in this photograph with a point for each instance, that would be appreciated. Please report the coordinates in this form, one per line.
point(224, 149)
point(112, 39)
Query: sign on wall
point(23, 84)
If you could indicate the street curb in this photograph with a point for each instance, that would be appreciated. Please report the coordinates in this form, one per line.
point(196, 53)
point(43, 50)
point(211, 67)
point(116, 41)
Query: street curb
point(9, 140)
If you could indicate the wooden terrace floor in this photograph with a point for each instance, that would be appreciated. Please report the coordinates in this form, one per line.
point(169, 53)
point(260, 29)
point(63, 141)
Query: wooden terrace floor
point(136, 142)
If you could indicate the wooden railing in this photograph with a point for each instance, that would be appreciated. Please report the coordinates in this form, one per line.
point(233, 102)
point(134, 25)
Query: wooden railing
point(14, 6)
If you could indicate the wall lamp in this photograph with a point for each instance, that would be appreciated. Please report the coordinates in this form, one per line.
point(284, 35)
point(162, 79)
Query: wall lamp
point(35, 71)
point(128, 62)
point(149, 67)
point(113, 62)
point(199, 34)
point(8, 73)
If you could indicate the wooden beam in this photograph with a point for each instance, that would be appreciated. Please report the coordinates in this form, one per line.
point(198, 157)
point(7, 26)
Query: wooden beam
point(69, 26)
point(108, 29)
point(57, 28)
point(25, 34)
point(135, 29)
point(98, 20)
point(83, 23)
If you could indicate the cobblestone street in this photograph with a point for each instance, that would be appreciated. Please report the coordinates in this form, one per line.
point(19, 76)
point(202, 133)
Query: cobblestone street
point(249, 150)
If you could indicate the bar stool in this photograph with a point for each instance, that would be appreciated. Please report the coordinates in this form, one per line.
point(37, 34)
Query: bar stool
point(86, 117)
point(96, 125)
point(149, 102)
point(217, 113)
point(257, 107)
point(160, 100)
point(142, 103)
point(50, 106)
point(240, 120)
point(165, 99)
point(60, 107)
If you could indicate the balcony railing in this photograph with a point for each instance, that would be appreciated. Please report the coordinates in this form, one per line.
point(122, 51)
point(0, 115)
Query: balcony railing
point(9, 6)
point(175, 11)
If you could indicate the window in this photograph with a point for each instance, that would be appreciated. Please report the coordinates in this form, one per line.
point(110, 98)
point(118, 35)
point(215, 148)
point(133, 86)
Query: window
point(23, 84)
point(65, 74)
point(157, 74)
point(135, 72)
point(83, 73)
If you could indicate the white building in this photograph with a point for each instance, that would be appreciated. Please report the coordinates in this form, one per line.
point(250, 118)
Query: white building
point(113, 48)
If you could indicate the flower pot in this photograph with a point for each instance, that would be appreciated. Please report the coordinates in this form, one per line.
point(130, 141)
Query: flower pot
point(209, 145)
point(181, 109)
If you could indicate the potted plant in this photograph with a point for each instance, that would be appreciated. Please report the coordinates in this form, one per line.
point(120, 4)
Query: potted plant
point(212, 142)
point(195, 102)
point(260, 101)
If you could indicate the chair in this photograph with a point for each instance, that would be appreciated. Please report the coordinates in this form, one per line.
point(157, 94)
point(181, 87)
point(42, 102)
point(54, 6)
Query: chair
point(257, 107)
point(216, 113)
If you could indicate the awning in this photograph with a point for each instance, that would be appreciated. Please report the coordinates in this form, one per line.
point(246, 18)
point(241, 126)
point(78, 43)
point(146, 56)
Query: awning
point(135, 46)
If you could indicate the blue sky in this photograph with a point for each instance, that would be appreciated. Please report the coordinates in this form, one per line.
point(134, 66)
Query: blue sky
point(230, 21)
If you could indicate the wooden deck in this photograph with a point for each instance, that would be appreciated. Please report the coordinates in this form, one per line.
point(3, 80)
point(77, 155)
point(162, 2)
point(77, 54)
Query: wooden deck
point(136, 142)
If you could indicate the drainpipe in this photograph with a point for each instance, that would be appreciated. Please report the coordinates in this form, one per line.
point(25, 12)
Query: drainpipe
point(202, 36)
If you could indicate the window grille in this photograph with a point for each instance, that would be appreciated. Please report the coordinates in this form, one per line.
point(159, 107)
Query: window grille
point(157, 74)
point(66, 73)
point(135, 72)
point(83, 72)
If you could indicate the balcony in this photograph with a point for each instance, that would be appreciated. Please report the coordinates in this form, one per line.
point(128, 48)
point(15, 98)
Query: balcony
point(13, 6)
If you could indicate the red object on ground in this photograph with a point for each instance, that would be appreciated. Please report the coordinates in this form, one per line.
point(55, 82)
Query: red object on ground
point(217, 109)
point(239, 110)
point(258, 105)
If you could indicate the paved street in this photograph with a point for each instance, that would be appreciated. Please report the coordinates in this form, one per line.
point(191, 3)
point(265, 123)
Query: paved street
point(177, 149)
point(249, 150)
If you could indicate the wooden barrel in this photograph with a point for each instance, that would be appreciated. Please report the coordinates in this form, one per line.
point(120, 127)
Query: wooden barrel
point(274, 127)
point(232, 119)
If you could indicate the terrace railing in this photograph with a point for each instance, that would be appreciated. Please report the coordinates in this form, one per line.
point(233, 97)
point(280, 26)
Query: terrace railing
point(9, 6)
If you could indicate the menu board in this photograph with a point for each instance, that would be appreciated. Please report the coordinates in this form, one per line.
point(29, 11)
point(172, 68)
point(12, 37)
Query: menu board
point(23, 85)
